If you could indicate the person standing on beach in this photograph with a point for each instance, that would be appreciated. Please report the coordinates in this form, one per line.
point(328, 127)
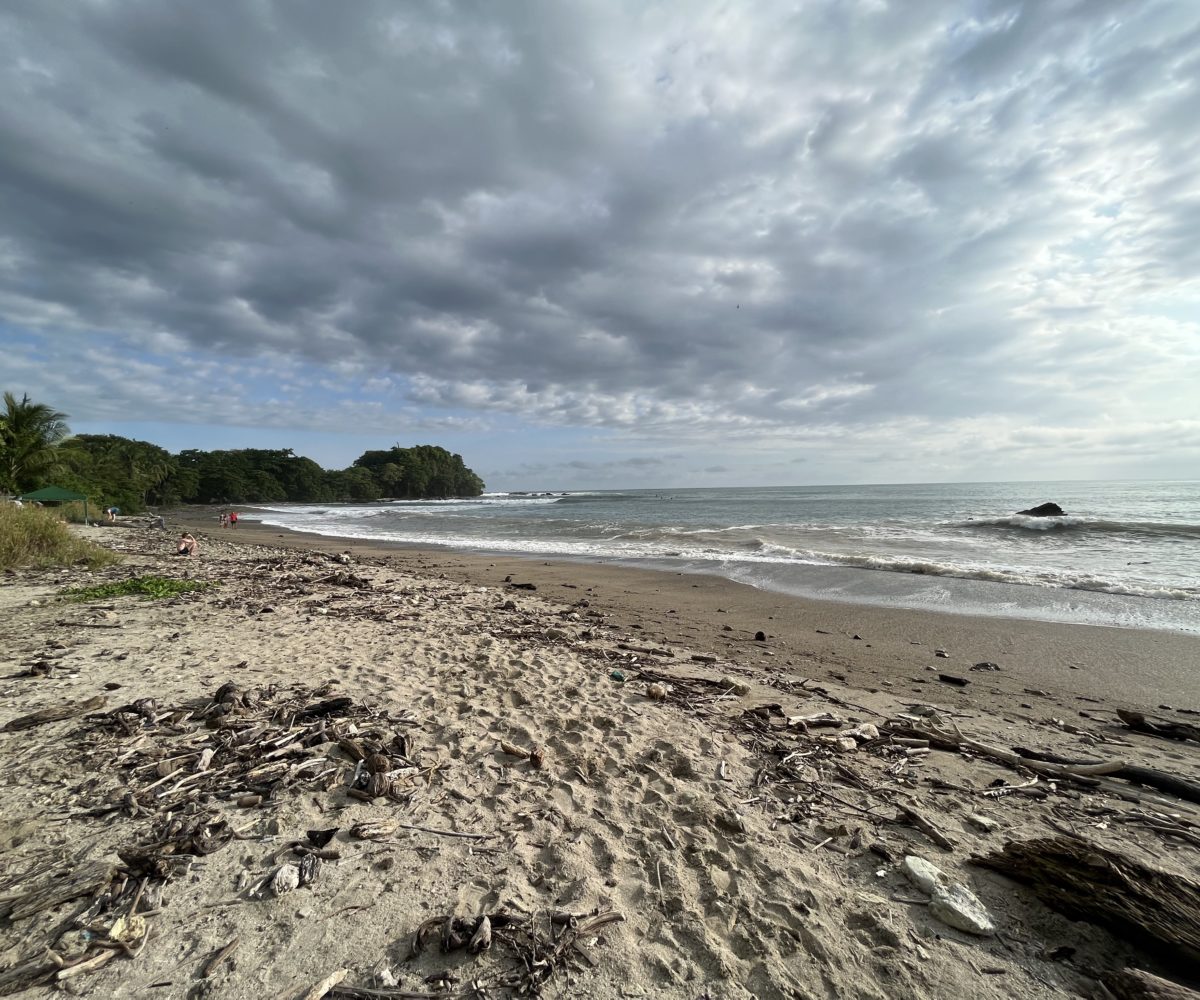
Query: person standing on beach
point(233, 519)
point(224, 516)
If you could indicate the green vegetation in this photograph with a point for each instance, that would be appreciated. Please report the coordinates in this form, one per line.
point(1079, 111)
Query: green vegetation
point(30, 536)
point(29, 433)
point(414, 473)
point(116, 471)
point(152, 588)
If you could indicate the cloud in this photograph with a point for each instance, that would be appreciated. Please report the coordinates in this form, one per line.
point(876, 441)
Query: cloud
point(748, 223)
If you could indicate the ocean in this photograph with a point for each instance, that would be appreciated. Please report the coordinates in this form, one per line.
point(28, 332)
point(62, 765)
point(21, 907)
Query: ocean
point(1125, 553)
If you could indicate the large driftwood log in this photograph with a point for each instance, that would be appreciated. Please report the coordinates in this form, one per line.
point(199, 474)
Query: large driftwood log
point(67, 710)
point(1091, 773)
point(1167, 730)
point(1084, 881)
point(1172, 784)
point(1134, 984)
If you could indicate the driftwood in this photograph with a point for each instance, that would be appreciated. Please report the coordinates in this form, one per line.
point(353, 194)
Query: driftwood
point(1167, 730)
point(1134, 984)
point(911, 815)
point(1084, 881)
point(213, 962)
point(1049, 765)
point(59, 886)
point(56, 714)
point(67, 624)
point(321, 989)
point(645, 650)
point(25, 974)
point(538, 950)
point(957, 740)
point(1180, 787)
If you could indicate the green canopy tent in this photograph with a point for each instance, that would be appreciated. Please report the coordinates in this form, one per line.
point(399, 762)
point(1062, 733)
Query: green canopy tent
point(55, 494)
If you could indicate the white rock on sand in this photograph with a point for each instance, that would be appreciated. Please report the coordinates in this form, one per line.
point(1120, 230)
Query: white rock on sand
point(956, 906)
point(953, 904)
point(925, 875)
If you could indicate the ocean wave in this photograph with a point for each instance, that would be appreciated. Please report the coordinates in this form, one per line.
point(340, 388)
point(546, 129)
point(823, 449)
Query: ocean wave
point(750, 551)
point(1082, 525)
point(570, 498)
point(1061, 580)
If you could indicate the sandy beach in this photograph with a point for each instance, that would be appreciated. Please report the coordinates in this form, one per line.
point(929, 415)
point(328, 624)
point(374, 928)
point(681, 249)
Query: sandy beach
point(653, 785)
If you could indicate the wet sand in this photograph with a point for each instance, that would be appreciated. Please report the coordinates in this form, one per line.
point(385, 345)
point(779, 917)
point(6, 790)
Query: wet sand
point(895, 648)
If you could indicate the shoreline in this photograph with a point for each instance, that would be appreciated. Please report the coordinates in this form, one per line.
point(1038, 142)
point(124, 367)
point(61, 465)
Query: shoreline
point(1067, 661)
point(966, 594)
point(1107, 564)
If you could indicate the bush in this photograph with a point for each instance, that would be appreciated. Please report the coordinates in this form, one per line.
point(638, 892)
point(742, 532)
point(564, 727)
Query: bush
point(149, 587)
point(33, 536)
point(73, 512)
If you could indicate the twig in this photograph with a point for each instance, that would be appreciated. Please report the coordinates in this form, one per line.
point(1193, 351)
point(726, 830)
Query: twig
point(97, 961)
point(322, 988)
point(447, 833)
point(926, 827)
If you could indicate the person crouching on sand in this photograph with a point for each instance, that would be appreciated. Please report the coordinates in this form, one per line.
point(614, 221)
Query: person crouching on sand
point(187, 546)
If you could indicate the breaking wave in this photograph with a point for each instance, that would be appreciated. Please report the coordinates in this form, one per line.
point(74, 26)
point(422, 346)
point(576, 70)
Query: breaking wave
point(1083, 526)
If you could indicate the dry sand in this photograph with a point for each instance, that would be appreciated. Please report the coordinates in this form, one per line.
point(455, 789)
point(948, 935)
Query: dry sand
point(747, 858)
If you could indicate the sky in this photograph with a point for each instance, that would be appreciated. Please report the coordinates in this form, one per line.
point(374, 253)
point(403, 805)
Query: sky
point(614, 244)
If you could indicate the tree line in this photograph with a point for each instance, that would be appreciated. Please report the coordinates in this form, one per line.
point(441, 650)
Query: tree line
point(37, 449)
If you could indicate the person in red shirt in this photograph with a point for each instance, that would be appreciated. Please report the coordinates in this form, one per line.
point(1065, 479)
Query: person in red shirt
point(233, 519)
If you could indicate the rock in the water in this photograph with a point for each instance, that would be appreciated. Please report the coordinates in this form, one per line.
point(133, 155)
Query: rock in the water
point(925, 875)
point(1043, 510)
point(957, 907)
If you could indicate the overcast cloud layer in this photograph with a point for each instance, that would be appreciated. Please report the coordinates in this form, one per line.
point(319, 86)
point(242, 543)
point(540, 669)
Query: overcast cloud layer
point(614, 244)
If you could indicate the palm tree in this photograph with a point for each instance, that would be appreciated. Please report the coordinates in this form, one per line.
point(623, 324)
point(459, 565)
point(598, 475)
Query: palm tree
point(29, 434)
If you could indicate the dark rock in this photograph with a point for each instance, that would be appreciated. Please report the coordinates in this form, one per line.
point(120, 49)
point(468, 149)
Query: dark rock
point(1043, 510)
point(760, 636)
point(951, 679)
point(986, 665)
